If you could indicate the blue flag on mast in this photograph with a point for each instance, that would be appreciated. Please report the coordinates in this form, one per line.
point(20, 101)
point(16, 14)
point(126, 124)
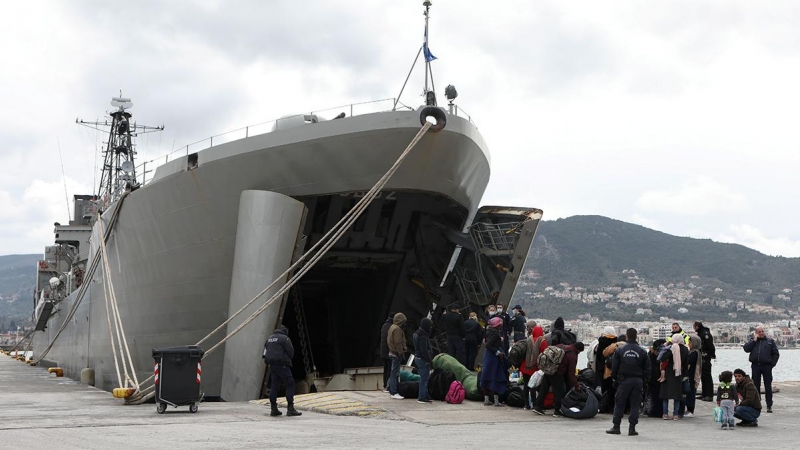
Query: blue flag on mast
point(428, 55)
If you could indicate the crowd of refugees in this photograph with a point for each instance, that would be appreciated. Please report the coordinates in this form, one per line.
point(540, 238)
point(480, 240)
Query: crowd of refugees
point(623, 374)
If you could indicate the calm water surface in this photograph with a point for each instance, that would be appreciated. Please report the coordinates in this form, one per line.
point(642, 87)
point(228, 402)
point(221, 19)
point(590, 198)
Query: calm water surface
point(788, 368)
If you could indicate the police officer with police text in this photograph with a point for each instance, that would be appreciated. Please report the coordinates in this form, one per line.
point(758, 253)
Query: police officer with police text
point(629, 367)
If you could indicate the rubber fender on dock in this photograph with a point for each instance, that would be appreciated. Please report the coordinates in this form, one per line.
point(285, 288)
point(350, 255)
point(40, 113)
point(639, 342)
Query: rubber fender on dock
point(436, 113)
point(123, 392)
point(87, 376)
point(56, 370)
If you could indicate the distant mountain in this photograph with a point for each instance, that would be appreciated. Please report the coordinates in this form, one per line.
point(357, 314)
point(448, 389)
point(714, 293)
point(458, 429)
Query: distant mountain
point(593, 251)
point(17, 278)
point(590, 252)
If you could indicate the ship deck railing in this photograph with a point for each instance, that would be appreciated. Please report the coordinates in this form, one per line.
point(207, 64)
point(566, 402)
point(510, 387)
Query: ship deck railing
point(146, 170)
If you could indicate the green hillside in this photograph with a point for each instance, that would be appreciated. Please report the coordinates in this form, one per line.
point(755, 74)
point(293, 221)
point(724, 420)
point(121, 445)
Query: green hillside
point(593, 251)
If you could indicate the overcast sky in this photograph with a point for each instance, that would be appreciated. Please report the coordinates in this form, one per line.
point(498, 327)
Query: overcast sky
point(680, 116)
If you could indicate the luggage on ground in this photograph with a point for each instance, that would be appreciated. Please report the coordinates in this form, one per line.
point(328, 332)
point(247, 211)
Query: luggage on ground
point(579, 404)
point(408, 389)
point(456, 393)
point(439, 384)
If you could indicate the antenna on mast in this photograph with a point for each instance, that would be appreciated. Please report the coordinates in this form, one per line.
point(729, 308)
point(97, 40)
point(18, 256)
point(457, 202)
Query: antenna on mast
point(118, 173)
point(429, 94)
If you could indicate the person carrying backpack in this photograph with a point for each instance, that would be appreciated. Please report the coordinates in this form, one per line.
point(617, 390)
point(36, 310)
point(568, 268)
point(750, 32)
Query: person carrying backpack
point(529, 366)
point(494, 376)
point(563, 376)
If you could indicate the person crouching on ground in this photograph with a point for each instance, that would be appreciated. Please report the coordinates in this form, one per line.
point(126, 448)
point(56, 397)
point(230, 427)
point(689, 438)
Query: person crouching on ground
point(727, 398)
point(494, 375)
point(422, 355)
point(278, 354)
point(630, 365)
point(750, 405)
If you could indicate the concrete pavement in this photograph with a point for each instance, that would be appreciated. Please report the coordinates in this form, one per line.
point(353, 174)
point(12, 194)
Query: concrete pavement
point(37, 409)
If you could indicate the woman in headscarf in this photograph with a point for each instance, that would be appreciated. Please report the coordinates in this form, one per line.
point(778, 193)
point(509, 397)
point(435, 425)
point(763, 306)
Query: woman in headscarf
point(603, 342)
point(652, 401)
point(529, 366)
point(692, 377)
point(676, 363)
point(494, 374)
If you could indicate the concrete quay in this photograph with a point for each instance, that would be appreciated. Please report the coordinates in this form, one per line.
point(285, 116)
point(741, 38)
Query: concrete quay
point(37, 410)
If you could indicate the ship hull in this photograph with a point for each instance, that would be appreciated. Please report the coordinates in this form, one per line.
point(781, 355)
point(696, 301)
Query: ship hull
point(172, 248)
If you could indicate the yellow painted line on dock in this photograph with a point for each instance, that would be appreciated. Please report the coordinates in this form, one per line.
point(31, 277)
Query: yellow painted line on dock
point(329, 403)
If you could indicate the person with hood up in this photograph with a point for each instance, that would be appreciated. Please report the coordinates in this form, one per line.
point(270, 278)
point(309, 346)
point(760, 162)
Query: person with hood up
point(529, 366)
point(676, 367)
point(494, 375)
point(396, 340)
point(750, 405)
point(422, 356)
point(278, 354)
point(387, 363)
point(708, 352)
point(558, 335)
point(473, 337)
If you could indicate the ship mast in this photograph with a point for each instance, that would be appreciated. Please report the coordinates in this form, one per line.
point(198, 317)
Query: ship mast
point(428, 93)
point(118, 173)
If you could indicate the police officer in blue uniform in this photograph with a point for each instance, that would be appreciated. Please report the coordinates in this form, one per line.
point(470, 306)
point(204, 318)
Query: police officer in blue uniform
point(278, 354)
point(629, 367)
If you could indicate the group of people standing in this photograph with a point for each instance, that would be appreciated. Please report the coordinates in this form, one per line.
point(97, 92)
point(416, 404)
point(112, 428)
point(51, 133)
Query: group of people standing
point(674, 368)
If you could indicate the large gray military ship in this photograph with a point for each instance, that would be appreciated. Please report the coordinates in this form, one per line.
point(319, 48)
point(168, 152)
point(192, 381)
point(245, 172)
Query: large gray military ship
point(211, 229)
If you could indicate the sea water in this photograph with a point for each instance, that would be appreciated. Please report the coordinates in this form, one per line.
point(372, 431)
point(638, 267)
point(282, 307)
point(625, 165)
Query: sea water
point(788, 368)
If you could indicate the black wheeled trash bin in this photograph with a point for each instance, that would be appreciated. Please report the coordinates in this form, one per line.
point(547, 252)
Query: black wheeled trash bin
point(177, 377)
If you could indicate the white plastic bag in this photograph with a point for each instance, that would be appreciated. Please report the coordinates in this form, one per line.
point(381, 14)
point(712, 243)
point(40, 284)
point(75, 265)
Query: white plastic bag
point(536, 379)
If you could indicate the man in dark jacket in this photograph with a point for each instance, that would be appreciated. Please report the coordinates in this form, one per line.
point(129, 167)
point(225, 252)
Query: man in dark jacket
point(473, 336)
point(564, 376)
point(750, 405)
point(517, 324)
point(709, 352)
point(453, 325)
point(560, 336)
point(387, 362)
point(278, 354)
point(630, 366)
point(763, 357)
point(422, 356)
